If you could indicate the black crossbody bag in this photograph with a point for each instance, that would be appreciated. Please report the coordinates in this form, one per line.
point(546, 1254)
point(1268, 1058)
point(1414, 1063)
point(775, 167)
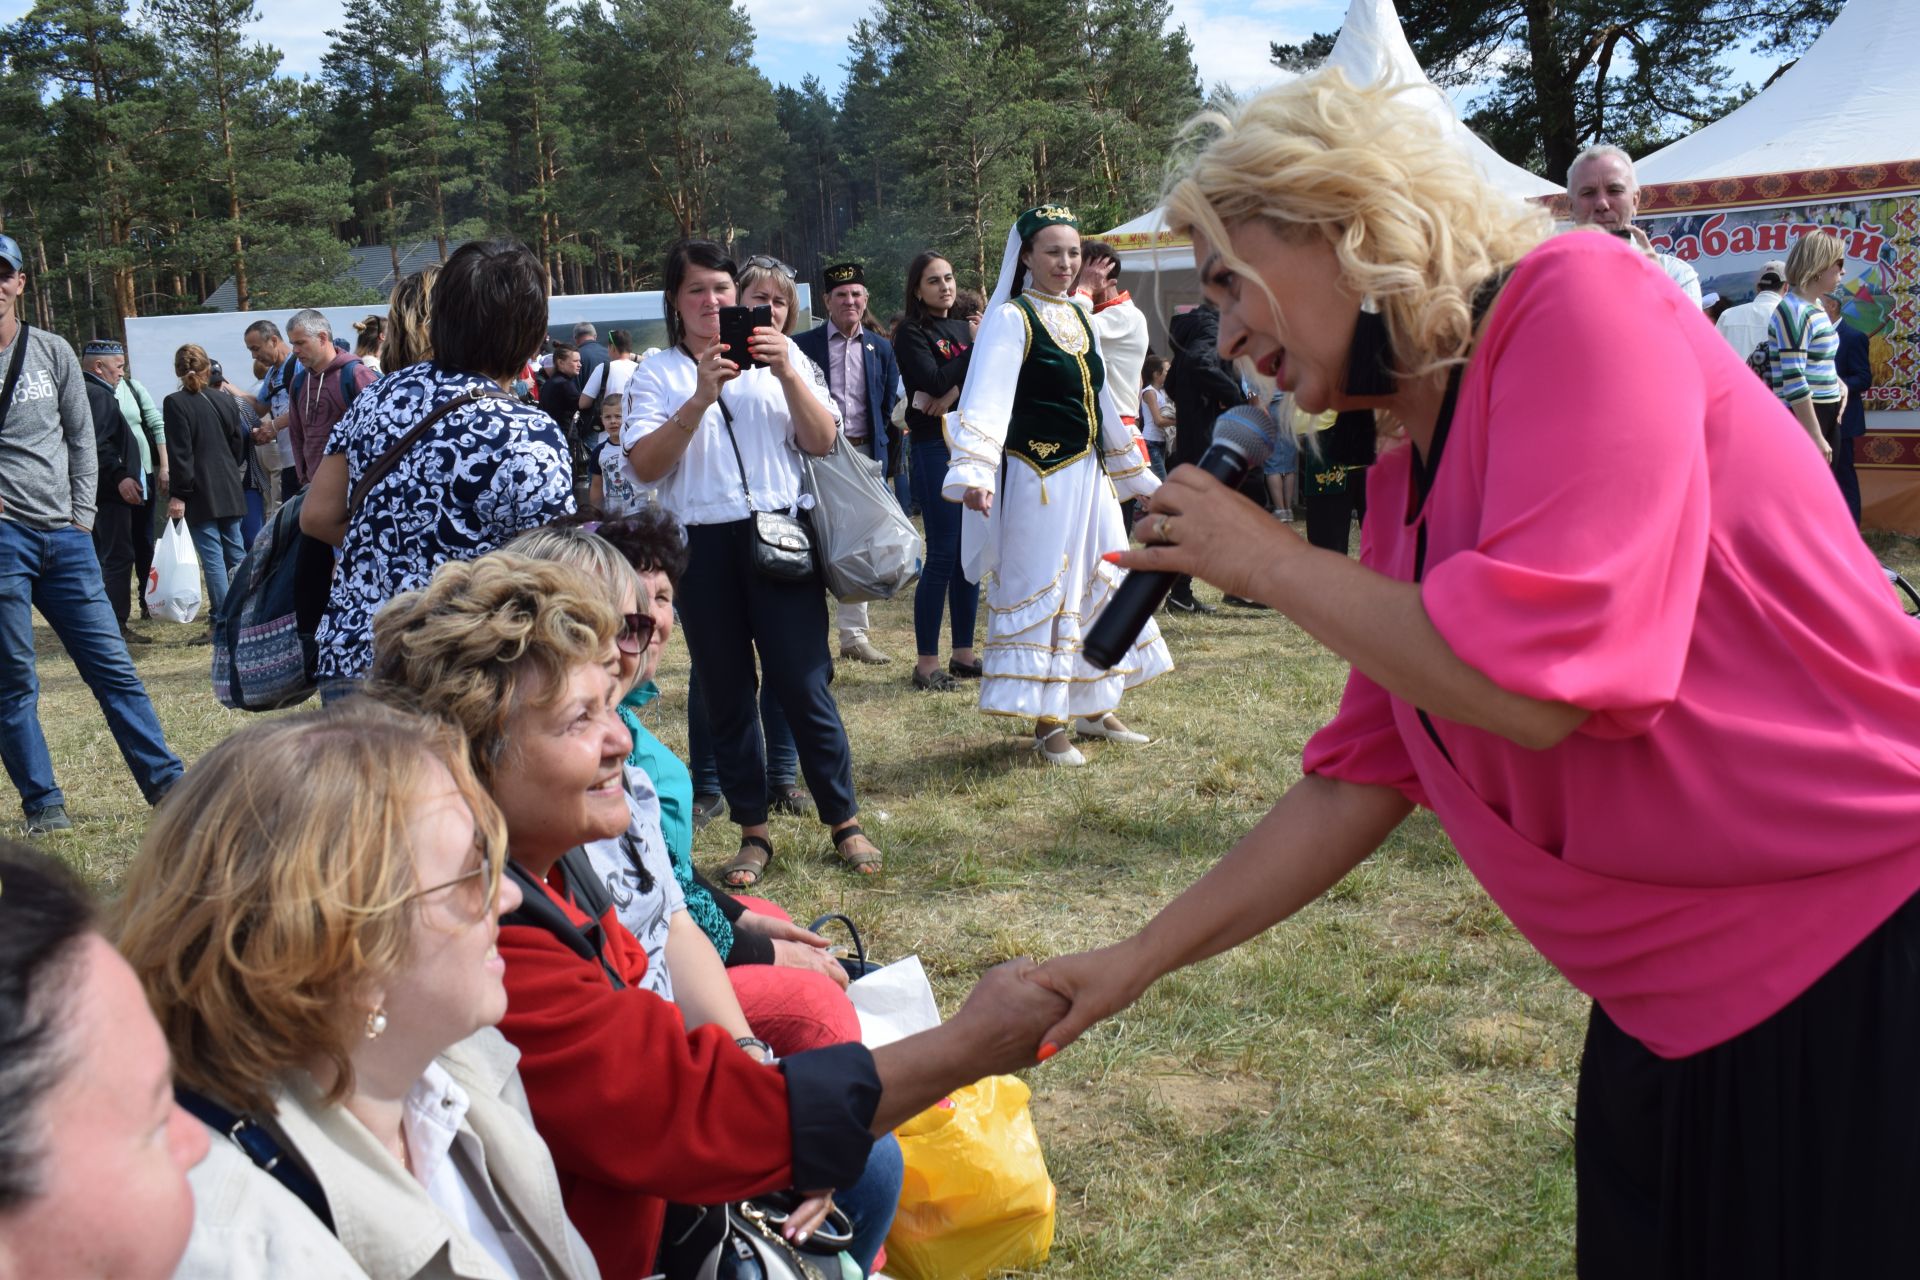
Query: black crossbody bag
point(782, 544)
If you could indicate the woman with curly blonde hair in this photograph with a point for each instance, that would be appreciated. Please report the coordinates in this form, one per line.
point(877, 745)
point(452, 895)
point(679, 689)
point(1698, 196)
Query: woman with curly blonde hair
point(314, 917)
point(1679, 745)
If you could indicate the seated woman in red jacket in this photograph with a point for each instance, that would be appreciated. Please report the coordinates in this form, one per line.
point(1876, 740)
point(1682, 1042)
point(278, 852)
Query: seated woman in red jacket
point(636, 1108)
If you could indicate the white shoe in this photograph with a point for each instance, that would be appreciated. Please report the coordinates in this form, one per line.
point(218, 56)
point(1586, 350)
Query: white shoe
point(1101, 729)
point(1071, 756)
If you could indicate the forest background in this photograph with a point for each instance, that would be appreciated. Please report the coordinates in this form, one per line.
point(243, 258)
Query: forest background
point(148, 155)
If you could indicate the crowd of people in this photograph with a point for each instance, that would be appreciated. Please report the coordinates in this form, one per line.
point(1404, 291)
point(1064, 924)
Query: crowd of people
point(461, 997)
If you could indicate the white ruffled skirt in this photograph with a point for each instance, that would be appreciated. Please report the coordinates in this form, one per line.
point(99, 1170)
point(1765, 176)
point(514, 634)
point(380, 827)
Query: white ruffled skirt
point(1044, 585)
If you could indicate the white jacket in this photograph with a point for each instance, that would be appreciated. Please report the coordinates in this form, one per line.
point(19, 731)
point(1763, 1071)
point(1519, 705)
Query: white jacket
point(246, 1226)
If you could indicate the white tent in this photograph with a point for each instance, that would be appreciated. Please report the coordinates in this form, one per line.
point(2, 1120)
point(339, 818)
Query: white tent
point(1371, 48)
point(1851, 99)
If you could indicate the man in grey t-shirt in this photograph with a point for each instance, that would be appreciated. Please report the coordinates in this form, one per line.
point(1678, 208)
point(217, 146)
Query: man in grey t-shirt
point(47, 508)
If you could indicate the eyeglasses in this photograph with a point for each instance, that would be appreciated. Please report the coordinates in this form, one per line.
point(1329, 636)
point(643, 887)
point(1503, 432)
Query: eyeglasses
point(488, 873)
point(765, 263)
point(636, 631)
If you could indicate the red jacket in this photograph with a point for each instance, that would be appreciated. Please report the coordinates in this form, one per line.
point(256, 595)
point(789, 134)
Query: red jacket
point(638, 1111)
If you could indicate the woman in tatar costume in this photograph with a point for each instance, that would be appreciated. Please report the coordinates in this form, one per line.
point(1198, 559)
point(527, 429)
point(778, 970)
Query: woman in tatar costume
point(1042, 461)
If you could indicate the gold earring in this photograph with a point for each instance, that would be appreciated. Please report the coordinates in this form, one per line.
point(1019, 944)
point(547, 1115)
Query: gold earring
point(376, 1023)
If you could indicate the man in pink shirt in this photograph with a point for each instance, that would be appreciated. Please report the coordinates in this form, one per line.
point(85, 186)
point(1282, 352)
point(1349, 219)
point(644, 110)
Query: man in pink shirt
point(328, 380)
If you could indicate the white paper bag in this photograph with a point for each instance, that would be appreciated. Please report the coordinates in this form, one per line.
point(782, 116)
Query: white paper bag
point(894, 1002)
point(173, 584)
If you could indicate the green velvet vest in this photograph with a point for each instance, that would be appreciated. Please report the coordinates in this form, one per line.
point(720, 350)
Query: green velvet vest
point(1056, 403)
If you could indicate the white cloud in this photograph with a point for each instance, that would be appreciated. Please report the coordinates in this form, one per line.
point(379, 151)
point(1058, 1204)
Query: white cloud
point(1230, 37)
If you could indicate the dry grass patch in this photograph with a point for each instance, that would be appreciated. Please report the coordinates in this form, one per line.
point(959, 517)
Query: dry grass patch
point(1382, 1087)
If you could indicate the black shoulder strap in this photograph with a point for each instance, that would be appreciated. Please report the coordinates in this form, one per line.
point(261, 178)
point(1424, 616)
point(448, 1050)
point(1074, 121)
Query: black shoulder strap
point(261, 1147)
point(538, 911)
point(738, 460)
point(13, 371)
point(387, 461)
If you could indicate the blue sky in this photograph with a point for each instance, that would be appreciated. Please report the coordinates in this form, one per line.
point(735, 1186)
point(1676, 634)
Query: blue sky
point(801, 37)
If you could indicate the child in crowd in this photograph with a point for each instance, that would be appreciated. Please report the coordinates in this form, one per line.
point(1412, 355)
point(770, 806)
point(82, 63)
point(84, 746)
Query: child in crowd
point(614, 491)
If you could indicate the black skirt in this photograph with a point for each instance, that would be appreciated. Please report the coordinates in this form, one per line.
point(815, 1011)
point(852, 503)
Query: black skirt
point(1790, 1151)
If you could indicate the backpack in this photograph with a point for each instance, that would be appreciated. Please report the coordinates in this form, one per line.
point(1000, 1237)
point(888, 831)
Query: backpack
point(264, 646)
point(348, 389)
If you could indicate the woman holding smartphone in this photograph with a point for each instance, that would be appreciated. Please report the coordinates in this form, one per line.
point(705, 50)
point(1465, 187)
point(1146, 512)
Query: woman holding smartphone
point(715, 440)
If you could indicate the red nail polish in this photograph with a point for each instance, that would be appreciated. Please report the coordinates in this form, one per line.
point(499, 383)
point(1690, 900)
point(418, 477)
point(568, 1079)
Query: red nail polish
point(1046, 1051)
point(1111, 557)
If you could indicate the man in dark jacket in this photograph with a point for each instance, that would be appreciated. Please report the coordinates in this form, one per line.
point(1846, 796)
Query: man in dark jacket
point(117, 490)
point(1855, 368)
point(1202, 389)
point(864, 380)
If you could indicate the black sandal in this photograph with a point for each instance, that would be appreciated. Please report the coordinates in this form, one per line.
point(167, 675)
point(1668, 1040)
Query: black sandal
point(706, 809)
point(748, 863)
point(974, 670)
point(789, 797)
point(866, 864)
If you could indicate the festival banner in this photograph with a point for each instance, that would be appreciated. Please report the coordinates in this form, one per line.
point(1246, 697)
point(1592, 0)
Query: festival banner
point(1878, 287)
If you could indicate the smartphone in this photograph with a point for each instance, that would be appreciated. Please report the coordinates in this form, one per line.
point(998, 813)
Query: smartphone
point(1625, 233)
point(735, 324)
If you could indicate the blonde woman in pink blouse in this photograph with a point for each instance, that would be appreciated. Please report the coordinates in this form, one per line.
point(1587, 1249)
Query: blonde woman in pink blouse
point(1678, 742)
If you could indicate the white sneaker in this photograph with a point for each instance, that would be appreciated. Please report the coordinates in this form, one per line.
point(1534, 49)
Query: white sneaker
point(1070, 757)
point(1101, 729)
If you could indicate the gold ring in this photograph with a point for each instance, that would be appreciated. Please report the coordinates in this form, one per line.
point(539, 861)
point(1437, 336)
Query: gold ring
point(1160, 529)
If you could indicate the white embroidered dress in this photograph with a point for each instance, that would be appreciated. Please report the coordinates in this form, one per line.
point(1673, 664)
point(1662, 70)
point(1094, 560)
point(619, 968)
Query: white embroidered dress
point(1038, 554)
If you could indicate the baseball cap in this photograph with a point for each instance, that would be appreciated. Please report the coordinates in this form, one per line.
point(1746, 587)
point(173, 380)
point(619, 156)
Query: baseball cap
point(1775, 268)
point(10, 253)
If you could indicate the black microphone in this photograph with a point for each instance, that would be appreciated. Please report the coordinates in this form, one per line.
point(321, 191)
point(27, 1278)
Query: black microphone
point(1242, 440)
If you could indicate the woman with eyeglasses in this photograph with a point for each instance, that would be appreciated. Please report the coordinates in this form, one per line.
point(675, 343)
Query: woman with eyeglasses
point(720, 443)
point(521, 655)
point(323, 960)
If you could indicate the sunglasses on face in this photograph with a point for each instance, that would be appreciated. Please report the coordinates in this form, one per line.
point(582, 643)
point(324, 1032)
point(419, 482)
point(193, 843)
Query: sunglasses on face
point(636, 631)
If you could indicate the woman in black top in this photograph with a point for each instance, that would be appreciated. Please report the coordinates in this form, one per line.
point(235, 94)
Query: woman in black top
point(208, 450)
point(932, 346)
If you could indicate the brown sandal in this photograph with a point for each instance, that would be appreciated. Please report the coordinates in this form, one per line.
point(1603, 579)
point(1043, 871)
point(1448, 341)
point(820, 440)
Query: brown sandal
point(866, 864)
point(748, 865)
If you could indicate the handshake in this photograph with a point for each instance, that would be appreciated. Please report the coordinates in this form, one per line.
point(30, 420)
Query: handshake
point(1022, 1012)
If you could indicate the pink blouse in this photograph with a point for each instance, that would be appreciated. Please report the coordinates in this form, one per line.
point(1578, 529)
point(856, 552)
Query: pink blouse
point(1624, 518)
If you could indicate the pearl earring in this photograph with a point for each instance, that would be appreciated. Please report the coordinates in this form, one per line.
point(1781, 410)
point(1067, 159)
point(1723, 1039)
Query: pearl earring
point(376, 1023)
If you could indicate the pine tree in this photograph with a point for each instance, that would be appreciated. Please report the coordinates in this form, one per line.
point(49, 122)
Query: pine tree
point(277, 204)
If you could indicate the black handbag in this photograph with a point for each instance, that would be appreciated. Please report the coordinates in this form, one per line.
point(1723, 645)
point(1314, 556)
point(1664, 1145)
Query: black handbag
point(857, 965)
point(782, 544)
point(742, 1241)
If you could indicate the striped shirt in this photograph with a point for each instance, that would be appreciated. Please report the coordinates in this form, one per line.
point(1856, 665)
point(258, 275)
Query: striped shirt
point(1804, 341)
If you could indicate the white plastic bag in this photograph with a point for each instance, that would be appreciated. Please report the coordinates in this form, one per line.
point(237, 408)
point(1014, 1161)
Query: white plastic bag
point(868, 549)
point(173, 584)
point(894, 1002)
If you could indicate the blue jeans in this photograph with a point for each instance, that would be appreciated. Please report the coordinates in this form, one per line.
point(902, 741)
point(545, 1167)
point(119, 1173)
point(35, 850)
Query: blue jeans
point(58, 573)
point(255, 519)
point(218, 544)
point(1157, 457)
point(871, 1202)
point(783, 757)
point(942, 587)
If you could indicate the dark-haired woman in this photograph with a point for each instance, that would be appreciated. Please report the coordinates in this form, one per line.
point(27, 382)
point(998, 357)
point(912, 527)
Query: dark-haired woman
point(934, 348)
point(719, 442)
point(490, 468)
point(1039, 451)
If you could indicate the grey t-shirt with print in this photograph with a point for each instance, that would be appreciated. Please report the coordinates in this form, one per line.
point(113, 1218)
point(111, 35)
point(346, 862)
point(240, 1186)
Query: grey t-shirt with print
point(47, 464)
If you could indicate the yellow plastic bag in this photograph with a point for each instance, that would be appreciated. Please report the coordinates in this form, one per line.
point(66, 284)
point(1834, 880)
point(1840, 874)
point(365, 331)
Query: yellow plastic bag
point(976, 1198)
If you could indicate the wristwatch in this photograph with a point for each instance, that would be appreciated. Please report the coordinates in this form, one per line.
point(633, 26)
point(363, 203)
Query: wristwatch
point(755, 1045)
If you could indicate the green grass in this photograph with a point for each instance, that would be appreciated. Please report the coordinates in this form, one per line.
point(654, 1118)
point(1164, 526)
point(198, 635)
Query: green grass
point(1381, 1087)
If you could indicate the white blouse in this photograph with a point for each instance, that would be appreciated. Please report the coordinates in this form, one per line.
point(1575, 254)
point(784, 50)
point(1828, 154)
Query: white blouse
point(704, 486)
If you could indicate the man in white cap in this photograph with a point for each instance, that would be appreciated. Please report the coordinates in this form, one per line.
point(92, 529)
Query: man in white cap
point(1745, 326)
point(1604, 193)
